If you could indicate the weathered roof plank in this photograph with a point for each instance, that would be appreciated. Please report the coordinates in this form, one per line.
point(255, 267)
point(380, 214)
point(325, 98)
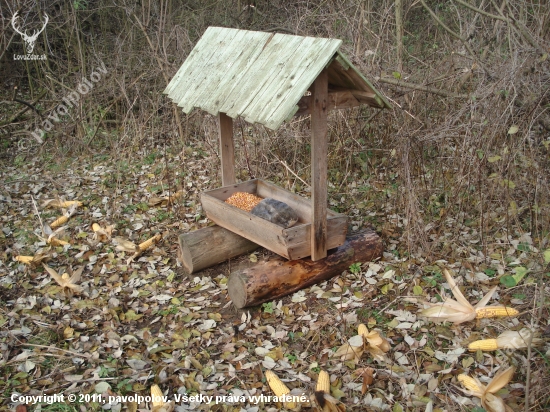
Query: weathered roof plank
point(236, 72)
point(201, 54)
point(269, 96)
point(293, 93)
point(271, 63)
point(204, 77)
point(262, 76)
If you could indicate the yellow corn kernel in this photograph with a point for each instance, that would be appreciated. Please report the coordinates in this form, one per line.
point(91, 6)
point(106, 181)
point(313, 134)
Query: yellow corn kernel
point(469, 383)
point(156, 396)
point(484, 344)
point(279, 388)
point(495, 312)
point(59, 221)
point(149, 242)
point(243, 200)
point(362, 330)
point(27, 260)
point(323, 382)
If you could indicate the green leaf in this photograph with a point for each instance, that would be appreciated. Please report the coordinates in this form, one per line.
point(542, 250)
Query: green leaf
point(520, 273)
point(508, 281)
point(513, 130)
point(397, 408)
point(417, 290)
point(355, 268)
point(132, 315)
point(494, 159)
point(509, 183)
point(524, 247)
point(397, 75)
point(386, 288)
point(546, 255)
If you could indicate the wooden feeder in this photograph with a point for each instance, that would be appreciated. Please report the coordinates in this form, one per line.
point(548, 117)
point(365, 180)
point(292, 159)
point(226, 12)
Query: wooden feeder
point(268, 78)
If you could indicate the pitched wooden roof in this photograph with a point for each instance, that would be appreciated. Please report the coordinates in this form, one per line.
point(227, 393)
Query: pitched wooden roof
point(262, 76)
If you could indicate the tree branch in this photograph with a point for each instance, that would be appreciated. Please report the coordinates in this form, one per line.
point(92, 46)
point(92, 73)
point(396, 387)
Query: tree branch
point(422, 88)
point(456, 35)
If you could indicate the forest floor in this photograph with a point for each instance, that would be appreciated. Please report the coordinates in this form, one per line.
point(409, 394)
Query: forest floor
point(135, 324)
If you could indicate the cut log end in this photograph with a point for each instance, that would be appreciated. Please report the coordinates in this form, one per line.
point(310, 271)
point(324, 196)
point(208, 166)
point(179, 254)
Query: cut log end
point(277, 277)
point(209, 246)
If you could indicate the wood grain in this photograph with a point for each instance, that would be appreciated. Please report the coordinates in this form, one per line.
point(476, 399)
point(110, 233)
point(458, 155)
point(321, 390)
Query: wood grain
point(319, 154)
point(227, 149)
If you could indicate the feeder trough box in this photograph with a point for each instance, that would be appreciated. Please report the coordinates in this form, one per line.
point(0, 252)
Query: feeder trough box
point(293, 242)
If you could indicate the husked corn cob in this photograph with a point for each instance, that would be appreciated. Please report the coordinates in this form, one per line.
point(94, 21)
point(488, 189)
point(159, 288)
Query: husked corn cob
point(69, 203)
point(484, 344)
point(323, 382)
point(59, 221)
point(56, 242)
point(149, 242)
point(279, 388)
point(469, 383)
point(495, 312)
point(156, 396)
point(509, 339)
point(243, 200)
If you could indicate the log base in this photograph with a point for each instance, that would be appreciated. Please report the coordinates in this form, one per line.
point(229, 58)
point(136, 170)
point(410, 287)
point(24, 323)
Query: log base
point(278, 277)
point(209, 246)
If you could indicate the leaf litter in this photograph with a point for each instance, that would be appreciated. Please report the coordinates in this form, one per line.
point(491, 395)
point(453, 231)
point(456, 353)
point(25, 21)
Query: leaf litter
point(120, 318)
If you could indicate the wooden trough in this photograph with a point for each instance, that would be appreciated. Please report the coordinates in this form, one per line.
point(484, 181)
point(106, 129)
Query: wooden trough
point(268, 78)
point(291, 243)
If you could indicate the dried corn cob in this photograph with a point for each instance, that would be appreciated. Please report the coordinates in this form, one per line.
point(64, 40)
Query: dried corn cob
point(59, 222)
point(323, 382)
point(279, 388)
point(149, 242)
point(507, 340)
point(56, 242)
point(27, 260)
point(485, 344)
point(243, 200)
point(469, 383)
point(495, 312)
point(156, 396)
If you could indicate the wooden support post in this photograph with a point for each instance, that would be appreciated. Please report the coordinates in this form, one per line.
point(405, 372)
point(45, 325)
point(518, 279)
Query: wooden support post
point(319, 153)
point(278, 277)
point(227, 149)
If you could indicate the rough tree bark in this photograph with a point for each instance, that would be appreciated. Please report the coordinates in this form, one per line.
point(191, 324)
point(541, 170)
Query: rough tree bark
point(278, 277)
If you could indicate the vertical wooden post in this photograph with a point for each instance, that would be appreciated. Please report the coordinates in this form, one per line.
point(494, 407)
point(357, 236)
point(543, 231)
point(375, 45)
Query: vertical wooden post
point(227, 149)
point(319, 153)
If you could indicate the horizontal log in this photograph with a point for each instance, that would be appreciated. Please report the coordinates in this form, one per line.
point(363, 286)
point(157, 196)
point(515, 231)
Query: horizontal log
point(209, 246)
point(278, 277)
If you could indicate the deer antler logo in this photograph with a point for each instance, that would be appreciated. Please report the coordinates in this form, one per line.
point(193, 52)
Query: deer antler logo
point(29, 40)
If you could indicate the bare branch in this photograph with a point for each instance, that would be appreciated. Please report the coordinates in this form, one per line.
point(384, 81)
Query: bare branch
point(422, 88)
